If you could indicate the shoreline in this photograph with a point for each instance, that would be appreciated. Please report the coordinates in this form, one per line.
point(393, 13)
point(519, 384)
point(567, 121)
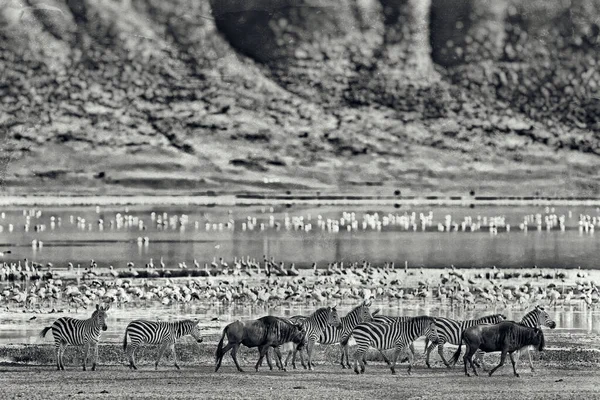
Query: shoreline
point(241, 200)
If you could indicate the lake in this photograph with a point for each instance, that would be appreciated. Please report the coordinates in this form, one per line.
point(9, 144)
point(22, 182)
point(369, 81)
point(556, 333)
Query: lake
point(18, 328)
point(78, 237)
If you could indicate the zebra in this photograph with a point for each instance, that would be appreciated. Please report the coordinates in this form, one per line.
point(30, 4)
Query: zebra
point(450, 331)
point(76, 332)
point(332, 335)
point(162, 333)
point(536, 318)
point(397, 335)
point(314, 325)
point(384, 319)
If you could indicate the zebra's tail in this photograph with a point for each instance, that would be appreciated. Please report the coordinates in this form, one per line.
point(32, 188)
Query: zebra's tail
point(44, 331)
point(125, 341)
point(219, 352)
point(426, 344)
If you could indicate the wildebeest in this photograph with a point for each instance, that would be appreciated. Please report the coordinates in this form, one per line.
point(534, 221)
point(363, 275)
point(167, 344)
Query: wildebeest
point(263, 333)
point(506, 336)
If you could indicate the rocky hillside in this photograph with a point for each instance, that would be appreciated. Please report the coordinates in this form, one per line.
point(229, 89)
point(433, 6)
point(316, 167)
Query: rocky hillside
point(364, 96)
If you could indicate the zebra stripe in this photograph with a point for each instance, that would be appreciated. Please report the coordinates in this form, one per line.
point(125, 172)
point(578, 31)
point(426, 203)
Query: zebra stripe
point(162, 333)
point(77, 332)
point(397, 335)
point(450, 331)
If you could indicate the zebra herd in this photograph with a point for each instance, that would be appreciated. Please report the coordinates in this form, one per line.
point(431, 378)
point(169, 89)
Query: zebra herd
point(298, 334)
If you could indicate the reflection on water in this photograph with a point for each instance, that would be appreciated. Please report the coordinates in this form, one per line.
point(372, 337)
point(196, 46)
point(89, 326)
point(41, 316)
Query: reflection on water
point(18, 328)
point(81, 242)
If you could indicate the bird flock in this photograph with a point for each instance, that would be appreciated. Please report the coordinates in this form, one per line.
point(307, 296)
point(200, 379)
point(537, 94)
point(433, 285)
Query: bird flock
point(35, 220)
point(271, 283)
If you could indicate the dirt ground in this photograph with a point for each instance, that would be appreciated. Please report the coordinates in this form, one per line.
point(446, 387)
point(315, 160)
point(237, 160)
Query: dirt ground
point(327, 381)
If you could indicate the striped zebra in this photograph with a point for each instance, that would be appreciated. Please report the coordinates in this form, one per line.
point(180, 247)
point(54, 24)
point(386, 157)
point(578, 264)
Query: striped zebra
point(314, 325)
point(77, 332)
point(536, 318)
point(384, 319)
point(397, 335)
point(450, 331)
point(162, 333)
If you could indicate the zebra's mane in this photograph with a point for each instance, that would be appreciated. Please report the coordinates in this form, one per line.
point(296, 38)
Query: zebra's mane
point(356, 310)
point(537, 311)
point(421, 319)
point(492, 316)
point(320, 316)
point(184, 327)
point(320, 312)
point(95, 314)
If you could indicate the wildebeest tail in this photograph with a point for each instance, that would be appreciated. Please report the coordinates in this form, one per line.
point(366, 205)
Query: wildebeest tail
point(542, 345)
point(219, 352)
point(44, 331)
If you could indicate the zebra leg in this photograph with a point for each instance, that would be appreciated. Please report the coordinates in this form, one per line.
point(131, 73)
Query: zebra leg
point(387, 360)
point(502, 361)
point(514, 364)
point(161, 350)
point(131, 355)
point(428, 352)
point(411, 360)
point(359, 356)
point(174, 355)
point(346, 350)
point(395, 359)
point(234, 356)
point(309, 349)
point(343, 351)
point(63, 347)
point(287, 358)
point(95, 356)
point(299, 351)
point(278, 354)
point(411, 346)
point(86, 351)
point(269, 363)
point(530, 360)
point(58, 346)
point(479, 362)
point(441, 353)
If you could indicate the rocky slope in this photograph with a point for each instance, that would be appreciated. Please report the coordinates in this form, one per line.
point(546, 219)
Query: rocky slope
point(365, 96)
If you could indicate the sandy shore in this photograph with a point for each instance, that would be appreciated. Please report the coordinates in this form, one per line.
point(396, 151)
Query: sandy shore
point(567, 369)
point(325, 382)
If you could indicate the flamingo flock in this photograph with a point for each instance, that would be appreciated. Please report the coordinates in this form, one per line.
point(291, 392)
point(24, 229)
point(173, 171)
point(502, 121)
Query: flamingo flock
point(35, 220)
point(273, 283)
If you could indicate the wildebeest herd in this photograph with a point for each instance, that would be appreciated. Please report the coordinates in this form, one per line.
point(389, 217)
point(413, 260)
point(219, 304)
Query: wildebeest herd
point(299, 334)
